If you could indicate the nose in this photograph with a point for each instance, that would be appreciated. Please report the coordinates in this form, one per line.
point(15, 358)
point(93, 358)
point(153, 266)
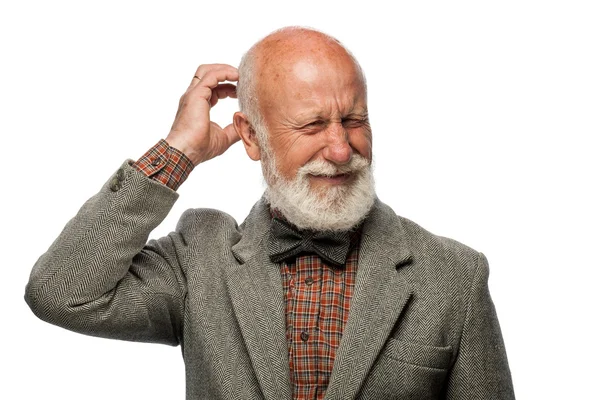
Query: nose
point(338, 149)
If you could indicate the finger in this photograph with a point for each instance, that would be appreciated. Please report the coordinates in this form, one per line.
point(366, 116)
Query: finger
point(194, 81)
point(214, 77)
point(222, 91)
point(207, 68)
point(231, 134)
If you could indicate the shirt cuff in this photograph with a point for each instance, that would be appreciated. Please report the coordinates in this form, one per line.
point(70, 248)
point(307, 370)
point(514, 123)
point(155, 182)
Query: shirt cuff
point(165, 164)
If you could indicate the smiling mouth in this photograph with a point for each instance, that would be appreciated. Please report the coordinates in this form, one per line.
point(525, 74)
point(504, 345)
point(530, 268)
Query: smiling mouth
point(334, 179)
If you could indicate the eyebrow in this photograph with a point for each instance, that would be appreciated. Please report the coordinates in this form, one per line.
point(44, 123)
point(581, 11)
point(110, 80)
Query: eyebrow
point(314, 115)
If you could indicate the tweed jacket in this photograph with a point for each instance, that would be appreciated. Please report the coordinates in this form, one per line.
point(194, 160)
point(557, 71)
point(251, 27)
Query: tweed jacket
point(421, 325)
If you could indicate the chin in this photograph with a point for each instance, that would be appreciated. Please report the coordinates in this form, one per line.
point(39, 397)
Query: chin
point(330, 207)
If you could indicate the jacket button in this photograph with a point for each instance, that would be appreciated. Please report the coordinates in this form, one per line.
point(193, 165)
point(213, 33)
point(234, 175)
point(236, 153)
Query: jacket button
point(120, 175)
point(115, 185)
point(304, 336)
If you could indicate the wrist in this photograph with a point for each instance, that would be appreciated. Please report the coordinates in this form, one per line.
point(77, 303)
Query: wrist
point(176, 142)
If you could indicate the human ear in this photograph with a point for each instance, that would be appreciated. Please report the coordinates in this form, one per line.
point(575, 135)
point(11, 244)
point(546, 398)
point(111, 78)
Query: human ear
point(247, 134)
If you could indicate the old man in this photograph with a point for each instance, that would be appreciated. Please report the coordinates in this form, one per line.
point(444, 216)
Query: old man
point(322, 292)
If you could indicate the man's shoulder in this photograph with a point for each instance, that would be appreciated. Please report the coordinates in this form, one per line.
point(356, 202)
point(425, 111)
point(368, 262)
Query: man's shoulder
point(434, 266)
point(397, 230)
point(210, 219)
point(438, 258)
point(432, 256)
point(420, 238)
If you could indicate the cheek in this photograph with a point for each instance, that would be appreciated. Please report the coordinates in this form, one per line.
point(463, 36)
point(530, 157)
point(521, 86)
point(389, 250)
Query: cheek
point(297, 154)
point(290, 162)
point(362, 143)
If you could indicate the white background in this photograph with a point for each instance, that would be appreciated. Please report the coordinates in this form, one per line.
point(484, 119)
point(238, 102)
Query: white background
point(485, 119)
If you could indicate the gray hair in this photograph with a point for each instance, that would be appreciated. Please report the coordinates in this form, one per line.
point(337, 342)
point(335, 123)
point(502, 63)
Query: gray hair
point(246, 89)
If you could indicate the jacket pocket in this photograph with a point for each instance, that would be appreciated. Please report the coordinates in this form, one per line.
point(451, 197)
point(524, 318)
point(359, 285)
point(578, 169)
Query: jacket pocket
point(418, 354)
point(407, 370)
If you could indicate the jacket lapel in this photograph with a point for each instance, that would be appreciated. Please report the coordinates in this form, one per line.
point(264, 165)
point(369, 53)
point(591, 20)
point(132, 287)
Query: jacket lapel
point(256, 291)
point(380, 294)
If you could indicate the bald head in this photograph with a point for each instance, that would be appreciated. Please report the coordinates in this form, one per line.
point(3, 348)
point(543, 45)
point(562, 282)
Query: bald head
point(283, 60)
point(283, 48)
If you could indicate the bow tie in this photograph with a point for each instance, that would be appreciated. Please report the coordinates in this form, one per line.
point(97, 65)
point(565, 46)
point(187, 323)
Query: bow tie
point(286, 241)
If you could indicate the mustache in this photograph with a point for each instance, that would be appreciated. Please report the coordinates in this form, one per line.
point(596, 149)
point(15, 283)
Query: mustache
point(357, 163)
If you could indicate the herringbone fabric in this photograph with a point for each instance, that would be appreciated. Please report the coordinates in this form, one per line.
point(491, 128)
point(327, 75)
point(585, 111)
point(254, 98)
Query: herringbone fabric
point(421, 323)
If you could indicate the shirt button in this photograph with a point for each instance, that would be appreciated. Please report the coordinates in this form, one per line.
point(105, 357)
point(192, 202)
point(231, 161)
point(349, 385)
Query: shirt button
point(309, 281)
point(304, 336)
point(156, 161)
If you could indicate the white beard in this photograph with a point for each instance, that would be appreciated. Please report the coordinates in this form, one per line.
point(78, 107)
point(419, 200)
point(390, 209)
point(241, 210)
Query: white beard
point(336, 208)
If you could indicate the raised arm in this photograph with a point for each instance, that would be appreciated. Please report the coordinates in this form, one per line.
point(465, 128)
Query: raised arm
point(100, 276)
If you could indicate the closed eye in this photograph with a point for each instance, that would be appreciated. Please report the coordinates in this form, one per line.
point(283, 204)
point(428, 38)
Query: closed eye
point(354, 122)
point(318, 124)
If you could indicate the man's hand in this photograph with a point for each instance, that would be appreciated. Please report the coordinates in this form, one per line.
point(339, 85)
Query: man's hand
point(193, 132)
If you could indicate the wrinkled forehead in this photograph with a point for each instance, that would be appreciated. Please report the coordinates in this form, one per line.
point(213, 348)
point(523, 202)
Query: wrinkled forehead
point(323, 88)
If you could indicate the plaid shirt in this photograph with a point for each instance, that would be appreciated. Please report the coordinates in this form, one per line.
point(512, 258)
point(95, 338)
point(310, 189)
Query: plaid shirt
point(165, 164)
point(317, 295)
point(317, 298)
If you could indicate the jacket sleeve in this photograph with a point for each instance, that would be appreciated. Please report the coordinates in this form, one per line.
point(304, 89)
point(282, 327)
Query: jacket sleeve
point(100, 278)
point(481, 370)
